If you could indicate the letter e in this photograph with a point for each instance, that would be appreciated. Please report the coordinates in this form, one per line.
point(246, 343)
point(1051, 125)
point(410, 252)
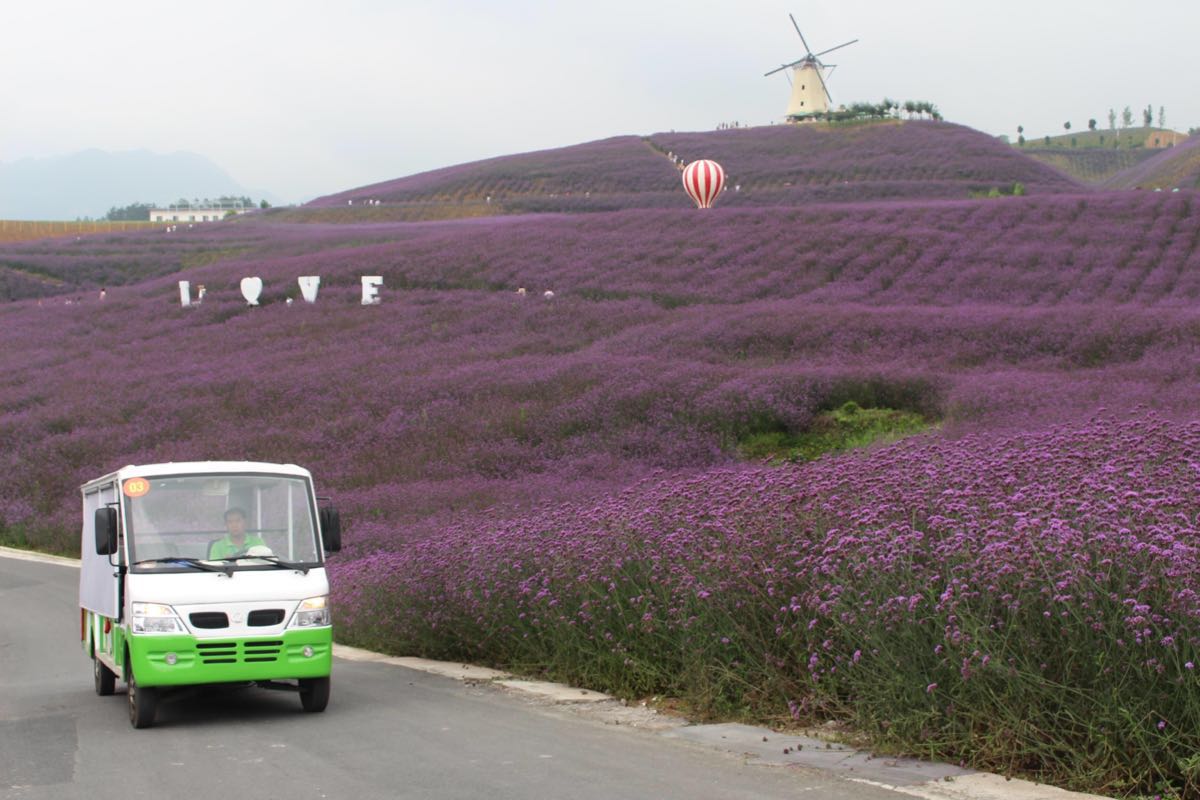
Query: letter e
point(370, 289)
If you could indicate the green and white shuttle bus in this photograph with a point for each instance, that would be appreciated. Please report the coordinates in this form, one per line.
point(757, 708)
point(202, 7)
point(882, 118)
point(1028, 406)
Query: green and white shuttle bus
point(206, 573)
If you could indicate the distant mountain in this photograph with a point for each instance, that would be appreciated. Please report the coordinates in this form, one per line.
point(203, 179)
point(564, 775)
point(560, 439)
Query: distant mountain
point(89, 183)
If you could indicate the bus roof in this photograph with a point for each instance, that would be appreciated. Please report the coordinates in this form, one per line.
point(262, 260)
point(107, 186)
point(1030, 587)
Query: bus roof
point(199, 468)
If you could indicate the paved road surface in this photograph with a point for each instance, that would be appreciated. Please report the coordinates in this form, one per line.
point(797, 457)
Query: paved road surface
point(389, 732)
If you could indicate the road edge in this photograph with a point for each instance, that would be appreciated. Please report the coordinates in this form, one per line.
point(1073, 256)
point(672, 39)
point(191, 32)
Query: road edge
point(43, 558)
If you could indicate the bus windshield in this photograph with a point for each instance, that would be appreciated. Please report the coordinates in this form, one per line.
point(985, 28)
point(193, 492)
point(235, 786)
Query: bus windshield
point(220, 518)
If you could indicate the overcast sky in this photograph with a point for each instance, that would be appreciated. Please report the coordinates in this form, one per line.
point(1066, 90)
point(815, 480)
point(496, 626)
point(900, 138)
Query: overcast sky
point(303, 98)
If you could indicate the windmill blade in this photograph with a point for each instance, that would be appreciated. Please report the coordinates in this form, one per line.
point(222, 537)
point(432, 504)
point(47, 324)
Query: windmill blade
point(839, 47)
point(785, 66)
point(807, 49)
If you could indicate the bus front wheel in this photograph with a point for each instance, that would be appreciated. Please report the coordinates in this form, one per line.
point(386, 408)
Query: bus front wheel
point(314, 693)
point(143, 703)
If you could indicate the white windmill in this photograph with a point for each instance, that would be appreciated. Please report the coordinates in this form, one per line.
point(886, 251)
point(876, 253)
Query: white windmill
point(810, 94)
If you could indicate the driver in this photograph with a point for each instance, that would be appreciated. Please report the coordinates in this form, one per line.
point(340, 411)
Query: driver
point(236, 540)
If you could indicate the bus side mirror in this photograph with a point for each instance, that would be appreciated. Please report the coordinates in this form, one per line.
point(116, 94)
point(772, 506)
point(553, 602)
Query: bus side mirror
point(331, 529)
point(106, 531)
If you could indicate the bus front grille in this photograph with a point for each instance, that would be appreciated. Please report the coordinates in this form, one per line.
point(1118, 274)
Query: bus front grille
point(264, 617)
point(239, 652)
point(209, 619)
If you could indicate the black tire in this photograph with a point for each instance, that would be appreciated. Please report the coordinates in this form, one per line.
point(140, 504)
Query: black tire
point(314, 693)
point(105, 678)
point(143, 703)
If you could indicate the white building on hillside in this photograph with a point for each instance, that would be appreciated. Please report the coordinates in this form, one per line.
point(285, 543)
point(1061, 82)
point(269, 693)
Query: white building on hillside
point(194, 213)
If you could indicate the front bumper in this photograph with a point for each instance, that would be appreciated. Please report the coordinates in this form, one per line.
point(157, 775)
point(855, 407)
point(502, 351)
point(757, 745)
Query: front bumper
point(231, 659)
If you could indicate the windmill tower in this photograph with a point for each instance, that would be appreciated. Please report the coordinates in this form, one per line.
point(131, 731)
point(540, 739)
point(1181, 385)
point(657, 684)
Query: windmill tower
point(810, 93)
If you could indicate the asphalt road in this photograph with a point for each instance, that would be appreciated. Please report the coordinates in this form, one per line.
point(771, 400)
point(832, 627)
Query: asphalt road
point(389, 732)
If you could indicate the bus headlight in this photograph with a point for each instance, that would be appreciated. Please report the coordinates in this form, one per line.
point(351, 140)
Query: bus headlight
point(154, 618)
point(312, 613)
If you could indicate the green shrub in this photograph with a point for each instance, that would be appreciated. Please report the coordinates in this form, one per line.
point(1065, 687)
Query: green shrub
point(844, 428)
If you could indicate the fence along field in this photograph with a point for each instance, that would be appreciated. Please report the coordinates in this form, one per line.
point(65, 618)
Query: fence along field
point(15, 230)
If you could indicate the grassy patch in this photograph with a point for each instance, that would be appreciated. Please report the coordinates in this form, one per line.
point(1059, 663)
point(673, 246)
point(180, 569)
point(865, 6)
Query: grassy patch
point(1015, 190)
point(844, 428)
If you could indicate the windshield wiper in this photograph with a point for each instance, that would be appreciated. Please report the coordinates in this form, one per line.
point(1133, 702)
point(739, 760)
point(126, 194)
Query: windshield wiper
point(273, 560)
point(190, 562)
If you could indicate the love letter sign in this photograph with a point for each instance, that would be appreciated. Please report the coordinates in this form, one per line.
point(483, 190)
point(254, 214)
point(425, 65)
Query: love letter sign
point(251, 289)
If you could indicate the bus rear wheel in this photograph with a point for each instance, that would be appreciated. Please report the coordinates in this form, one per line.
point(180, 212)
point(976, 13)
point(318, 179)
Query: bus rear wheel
point(106, 679)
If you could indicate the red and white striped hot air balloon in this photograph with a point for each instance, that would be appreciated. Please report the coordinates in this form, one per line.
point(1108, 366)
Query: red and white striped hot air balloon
point(703, 181)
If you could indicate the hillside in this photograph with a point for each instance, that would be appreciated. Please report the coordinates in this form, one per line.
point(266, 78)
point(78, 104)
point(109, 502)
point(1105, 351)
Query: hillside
point(1175, 168)
point(1091, 166)
point(774, 165)
point(1095, 157)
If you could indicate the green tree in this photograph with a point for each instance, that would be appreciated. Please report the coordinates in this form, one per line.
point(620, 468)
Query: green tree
point(1112, 120)
point(1148, 117)
point(1092, 124)
point(1162, 117)
point(264, 204)
point(133, 212)
point(1127, 117)
point(1067, 125)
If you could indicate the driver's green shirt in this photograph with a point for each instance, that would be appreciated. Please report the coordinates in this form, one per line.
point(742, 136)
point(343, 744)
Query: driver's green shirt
point(224, 547)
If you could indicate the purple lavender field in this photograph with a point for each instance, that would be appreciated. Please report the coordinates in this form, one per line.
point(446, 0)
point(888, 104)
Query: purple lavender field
point(560, 485)
point(774, 165)
point(1003, 601)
